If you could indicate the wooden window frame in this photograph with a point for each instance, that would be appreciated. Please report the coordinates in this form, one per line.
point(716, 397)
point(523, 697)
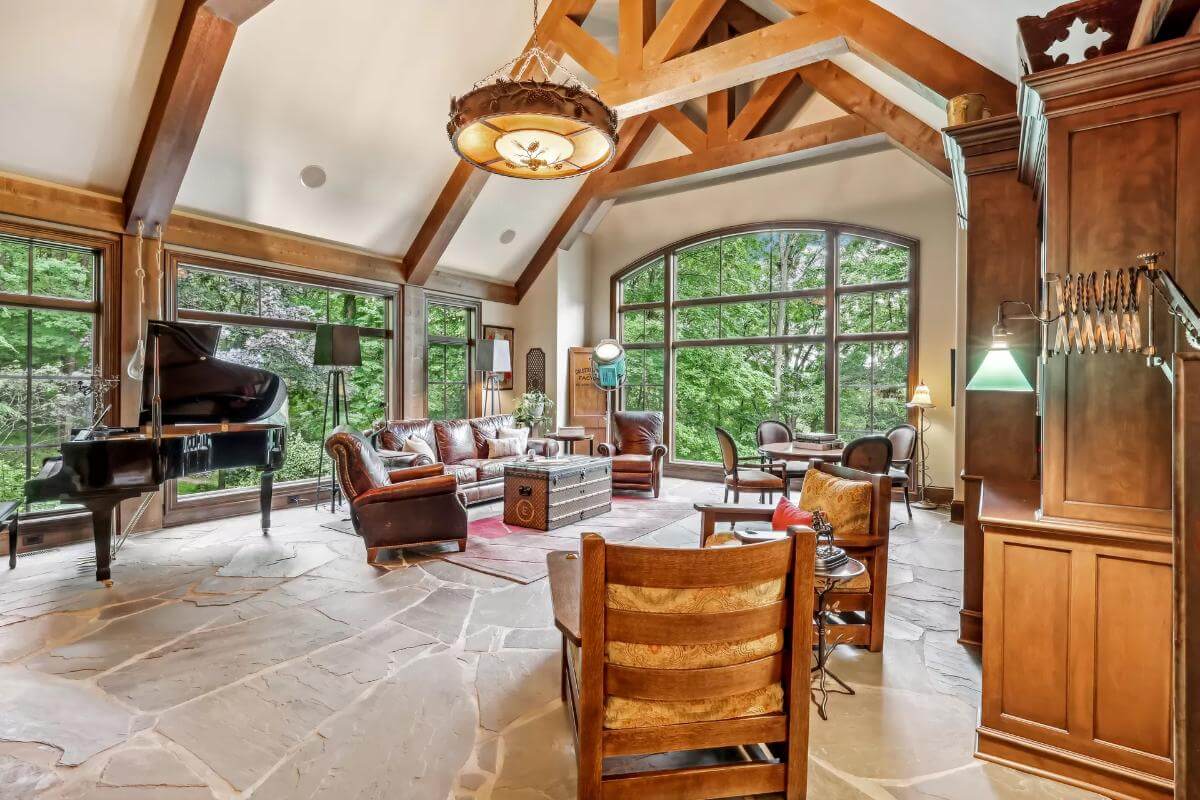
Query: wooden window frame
point(182, 510)
point(474, 335)
point(831, 292)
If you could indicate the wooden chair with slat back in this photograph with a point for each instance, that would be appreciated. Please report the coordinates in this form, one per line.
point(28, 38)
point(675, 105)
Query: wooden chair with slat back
point(669, 650)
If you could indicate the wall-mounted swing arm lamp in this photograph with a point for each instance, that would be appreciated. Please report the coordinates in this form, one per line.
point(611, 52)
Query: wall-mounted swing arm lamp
point(999, 371)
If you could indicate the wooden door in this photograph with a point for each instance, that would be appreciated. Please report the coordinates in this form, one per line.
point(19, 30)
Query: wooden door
point(586, 405)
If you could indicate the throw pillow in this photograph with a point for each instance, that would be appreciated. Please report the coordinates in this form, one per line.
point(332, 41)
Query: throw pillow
point(502, 448)
point(415, 444)
point(515, 433)
point(846, 503)
point(788, 513)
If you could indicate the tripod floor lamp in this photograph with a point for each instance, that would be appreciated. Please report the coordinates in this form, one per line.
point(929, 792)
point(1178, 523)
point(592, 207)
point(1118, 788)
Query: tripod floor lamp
point(338, 348)
point(493, 357)
point(922, 401)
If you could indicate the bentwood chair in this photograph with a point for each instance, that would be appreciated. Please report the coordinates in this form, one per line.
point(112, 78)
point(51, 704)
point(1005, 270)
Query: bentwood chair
point(904, 445)
point(749, 474)
point(773, 431)
point(871, 454)
point(656, 660)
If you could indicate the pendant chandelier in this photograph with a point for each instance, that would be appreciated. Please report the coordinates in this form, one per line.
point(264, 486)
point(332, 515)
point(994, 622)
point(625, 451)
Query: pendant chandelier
point(531, 128)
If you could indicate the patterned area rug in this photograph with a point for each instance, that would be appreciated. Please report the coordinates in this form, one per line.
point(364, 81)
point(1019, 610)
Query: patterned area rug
point(519, 554)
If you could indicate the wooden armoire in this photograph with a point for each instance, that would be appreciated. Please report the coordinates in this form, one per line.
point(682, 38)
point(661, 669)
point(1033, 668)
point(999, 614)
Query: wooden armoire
point(1068, 515)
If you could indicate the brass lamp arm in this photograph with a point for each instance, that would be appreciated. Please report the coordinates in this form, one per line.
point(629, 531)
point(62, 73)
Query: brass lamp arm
point(1000, 329)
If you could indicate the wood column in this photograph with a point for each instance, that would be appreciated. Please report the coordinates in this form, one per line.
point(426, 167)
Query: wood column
point(1002, 264)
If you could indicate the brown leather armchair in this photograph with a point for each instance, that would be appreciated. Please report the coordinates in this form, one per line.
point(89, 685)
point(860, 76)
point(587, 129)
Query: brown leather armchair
point(399, 507)
point(637, 451)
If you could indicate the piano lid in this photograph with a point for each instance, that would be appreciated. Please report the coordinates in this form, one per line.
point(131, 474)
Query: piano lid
point(197, 387)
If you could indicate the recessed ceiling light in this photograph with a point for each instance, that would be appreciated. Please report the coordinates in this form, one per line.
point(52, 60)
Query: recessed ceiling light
point(312, 176)
point(508, 236)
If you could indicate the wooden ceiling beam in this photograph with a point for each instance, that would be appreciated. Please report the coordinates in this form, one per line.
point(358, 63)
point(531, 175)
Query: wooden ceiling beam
point(680, 29)
point(797, 6)
point(589, 53)
point(855, 97)
point(1194, 28)
point(1150, 16)
point(680, 125)
point(199, 48)
point(736, 157)
point(742, 18)
point(635, 24)
point(719, 104)
point(465, 181)
point(772, 93)
point(633, 135)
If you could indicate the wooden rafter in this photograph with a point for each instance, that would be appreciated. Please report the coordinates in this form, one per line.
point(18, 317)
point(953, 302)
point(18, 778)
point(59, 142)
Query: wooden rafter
point(680, 125)
point(633, 135)
point(742, 18)
point(768, 97)
point(1149, 19)
point(737, 157)
point(466, 182)
point(719, 104)
point(585, 49)
point(680, 29)
point(855, 97)
point(1194, 28)
point(635, 25)
point(185, 91)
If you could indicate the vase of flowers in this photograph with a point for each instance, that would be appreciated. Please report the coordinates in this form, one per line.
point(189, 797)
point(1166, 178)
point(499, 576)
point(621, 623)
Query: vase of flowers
point(533, 409)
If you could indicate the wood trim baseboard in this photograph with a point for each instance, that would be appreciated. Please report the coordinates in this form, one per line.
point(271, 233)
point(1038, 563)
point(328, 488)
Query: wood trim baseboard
point(970, 628)
point(958, 510)
point(1110, 780)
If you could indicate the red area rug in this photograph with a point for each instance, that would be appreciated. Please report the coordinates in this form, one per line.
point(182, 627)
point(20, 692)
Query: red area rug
point(519, 554)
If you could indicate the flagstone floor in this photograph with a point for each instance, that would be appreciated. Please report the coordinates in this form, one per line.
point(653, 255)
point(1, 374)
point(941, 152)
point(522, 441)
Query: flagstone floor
point(225, 665)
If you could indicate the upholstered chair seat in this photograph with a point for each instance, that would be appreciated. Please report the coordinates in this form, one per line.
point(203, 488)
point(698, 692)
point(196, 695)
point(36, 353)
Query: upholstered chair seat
point(749, 474)
point(637, 450)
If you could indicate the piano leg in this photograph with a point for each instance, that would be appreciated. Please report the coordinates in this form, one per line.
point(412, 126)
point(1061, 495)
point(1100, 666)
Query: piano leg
point(265, 490)
point(102, 525)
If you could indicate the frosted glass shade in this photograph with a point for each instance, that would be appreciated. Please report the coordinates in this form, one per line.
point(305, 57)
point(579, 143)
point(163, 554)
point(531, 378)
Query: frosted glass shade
point(999, 373)
point(921, 397)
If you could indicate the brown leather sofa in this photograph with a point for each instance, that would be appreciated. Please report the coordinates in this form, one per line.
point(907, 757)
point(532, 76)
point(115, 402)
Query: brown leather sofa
point(398, 507)
point(461, 448)
point(637, 451)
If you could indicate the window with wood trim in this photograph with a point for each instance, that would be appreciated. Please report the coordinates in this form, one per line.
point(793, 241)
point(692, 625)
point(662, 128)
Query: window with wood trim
point(270, 322)
point(449, 331)
point(810, 323)
point(49, 304)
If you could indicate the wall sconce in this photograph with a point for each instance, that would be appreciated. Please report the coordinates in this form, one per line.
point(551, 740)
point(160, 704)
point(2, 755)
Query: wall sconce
point(999, 371)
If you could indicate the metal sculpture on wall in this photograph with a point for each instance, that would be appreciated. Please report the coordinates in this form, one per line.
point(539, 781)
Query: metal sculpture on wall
point(535, 370)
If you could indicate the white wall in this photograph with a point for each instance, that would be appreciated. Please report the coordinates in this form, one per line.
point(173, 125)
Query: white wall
point(886, 190)
point(506, 316)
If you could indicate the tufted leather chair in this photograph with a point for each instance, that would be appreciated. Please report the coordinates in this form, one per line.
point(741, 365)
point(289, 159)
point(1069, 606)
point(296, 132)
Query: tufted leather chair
point(637, 451)
point(399, 507)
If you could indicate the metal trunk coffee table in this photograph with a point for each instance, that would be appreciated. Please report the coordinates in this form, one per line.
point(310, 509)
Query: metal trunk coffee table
point(553, 492)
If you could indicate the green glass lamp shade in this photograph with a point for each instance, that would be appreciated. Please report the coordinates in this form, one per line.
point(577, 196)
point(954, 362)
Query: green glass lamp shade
point(999, 373)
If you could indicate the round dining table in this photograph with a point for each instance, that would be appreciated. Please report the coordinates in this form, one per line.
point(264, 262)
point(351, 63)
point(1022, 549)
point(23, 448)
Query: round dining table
point(798, 451)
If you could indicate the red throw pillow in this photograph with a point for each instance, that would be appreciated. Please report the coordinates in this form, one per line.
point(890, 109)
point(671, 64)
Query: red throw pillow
point(788, 513)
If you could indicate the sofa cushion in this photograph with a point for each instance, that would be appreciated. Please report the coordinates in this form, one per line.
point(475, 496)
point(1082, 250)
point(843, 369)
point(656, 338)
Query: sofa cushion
point(484, 428)
point(846, 503)
point(490, 468)
point(396, 431)
point(504, 448)
point(465, 473)
point(455, 440)
point(415, 444)
point(631, 462)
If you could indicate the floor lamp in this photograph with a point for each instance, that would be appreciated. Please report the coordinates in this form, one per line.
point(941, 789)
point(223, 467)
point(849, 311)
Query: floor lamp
point(922, 401)
point(608, 375)
point(338, 348)
point(493, 357)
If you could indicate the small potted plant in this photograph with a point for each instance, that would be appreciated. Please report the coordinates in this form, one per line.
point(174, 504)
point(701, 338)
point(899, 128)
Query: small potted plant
point(533, 409)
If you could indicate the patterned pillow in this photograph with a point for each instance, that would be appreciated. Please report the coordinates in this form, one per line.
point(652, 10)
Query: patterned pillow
point(846, 503)
point(501, 448)
point(514, 433)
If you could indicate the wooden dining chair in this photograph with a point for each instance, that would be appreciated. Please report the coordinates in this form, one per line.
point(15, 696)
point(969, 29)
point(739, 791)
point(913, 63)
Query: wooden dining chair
point(904, 445)
point(749, 474)
point(668, 650)
point(868, 454)
point(772, 431)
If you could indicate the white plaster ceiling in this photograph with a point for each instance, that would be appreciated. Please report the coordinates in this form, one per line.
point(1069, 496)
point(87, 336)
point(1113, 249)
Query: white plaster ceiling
point(360, 88)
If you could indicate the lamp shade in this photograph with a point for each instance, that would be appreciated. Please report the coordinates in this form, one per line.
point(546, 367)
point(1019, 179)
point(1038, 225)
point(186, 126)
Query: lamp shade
point(337, 346)
point(608, 351)
point(493, 355)
point(999, 373)
point(921, 397)
point(608, 364)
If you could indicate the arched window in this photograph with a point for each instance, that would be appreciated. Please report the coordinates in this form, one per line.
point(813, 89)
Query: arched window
point(810, 323)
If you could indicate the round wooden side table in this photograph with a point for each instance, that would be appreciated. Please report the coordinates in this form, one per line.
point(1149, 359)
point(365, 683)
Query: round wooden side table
point(572, 438)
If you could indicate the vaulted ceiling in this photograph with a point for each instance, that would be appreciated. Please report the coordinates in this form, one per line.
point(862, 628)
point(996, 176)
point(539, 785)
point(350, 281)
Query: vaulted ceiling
point(360, 88)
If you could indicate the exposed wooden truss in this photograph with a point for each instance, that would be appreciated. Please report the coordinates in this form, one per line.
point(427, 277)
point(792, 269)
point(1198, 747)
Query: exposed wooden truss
point(1149, 19)
point(705, 48)
point(185, 91)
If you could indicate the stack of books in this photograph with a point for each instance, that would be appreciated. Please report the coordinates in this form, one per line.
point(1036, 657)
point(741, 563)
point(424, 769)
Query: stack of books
point(820, 441)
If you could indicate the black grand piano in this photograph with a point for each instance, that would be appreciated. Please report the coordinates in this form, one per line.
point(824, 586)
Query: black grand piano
point(198, 414)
